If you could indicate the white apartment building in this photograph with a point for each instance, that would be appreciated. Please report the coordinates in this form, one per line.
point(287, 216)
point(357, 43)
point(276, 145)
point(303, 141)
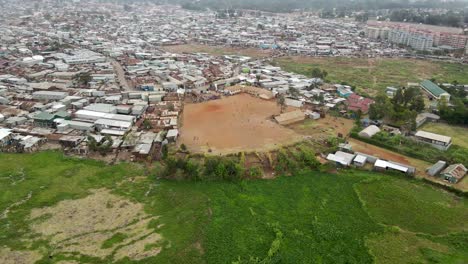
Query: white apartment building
point(377, 32)
point(415, 40)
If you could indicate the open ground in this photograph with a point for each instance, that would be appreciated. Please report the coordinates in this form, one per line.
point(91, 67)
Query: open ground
point(373, 75)
point(218, 50)
point(311, 217)
point(234, 124)
point(324, 128)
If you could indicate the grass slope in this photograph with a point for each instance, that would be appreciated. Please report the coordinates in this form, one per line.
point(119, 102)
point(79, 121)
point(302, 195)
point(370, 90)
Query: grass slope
point(312, 217)
point(373, 75)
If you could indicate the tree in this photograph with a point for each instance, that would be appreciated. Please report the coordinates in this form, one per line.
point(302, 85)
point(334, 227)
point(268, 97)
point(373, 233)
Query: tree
point(164, 151)
point(103, 146)
point(281, 101)
point(381, 108)
point(294, 92)
point(84, 78)
point(317, 73)
point(257, 78)
point(418, 104)
point(147, 124)
point(183, 147)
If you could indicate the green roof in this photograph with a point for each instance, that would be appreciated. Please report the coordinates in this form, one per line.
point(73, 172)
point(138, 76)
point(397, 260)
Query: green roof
point(44, 116)
point(62, 114)
point(432, 88)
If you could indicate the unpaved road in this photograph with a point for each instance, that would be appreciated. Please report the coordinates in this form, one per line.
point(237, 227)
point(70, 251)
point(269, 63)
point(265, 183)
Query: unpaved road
point(121, 76)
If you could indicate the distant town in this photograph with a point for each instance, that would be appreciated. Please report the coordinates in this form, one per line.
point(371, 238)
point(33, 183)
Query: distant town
point(113, 82)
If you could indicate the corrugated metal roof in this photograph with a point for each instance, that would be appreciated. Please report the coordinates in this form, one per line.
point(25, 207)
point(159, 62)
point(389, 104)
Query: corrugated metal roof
point(433, 136)
point(433, 88)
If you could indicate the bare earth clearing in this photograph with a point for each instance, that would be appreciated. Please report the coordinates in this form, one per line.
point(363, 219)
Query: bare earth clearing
point(323, 128)
point(8, 256)
point(233, 124)
point(101, 225)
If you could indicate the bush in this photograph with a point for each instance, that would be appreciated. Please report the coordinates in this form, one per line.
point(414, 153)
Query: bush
point(284, 164)
point(183, 147)
point(180, 167)
point(255, 172)
point(103, 147)
point(308, 159)
point(217, 168)
point(164, 151)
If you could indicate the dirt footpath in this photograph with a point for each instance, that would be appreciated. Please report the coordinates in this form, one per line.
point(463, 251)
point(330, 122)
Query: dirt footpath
point(233, 124)
point(370, 149)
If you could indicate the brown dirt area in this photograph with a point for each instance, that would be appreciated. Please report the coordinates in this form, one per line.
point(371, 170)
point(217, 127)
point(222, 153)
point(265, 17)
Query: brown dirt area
point(218, 50)
point(234, 124)
point(7, 256)
point(323, 128)
point(83, 226)
point(370, 149)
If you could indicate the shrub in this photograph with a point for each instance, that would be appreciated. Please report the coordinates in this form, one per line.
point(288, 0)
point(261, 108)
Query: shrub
point(255, 172)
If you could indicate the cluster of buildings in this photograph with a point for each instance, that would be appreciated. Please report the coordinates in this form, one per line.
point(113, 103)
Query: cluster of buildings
point(418, 36)
point(76, 74)
point(68, 77)
point(65, 96)
point(346, 158)
point(114, 29)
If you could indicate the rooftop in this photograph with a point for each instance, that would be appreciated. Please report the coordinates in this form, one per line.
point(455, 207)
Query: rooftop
point(433, 136)
point(433, 88)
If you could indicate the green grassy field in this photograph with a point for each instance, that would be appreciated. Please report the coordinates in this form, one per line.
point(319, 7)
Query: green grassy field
point(313, 217)
point(373, 75)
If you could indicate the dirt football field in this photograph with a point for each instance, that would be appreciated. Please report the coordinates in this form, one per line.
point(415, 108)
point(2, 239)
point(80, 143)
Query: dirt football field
point(233, 124)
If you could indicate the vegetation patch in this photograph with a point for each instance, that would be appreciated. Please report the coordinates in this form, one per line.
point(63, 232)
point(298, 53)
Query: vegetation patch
point(308, 217)
point(8, 256)
point(98, 219)
point(416, 208)
point(373, 75)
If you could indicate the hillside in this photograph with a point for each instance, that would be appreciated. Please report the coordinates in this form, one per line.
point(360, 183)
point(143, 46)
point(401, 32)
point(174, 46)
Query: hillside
point(355, 217)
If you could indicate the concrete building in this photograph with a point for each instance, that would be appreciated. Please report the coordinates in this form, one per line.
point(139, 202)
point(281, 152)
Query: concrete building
point(377, 32)
point(435, 140)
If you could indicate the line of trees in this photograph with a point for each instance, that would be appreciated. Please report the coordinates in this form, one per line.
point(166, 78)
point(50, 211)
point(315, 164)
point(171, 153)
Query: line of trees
point(456, 114)
point(450, 18)
point(233, 168)
point(341, 6)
